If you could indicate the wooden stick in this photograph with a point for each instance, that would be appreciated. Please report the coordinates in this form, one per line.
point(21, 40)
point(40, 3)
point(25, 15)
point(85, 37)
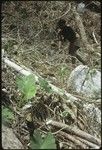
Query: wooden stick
point(95, 38)
point(88, 143)
point(27, 72)
point(77, 132)
point(72, 138)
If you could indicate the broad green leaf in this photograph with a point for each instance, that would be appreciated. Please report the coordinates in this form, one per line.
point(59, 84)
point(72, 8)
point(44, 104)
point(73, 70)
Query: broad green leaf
point(27, 86)
point(44, 85)
point(38, 143)
point(49, 142)
point(7, 115)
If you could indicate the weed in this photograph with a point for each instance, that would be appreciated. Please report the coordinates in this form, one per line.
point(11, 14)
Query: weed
point(7, 115)
point(37, 142)
point(27, 87)
point(44, 85)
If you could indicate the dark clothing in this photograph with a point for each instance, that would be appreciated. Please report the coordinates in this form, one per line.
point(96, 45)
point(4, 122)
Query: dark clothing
point(67, 33)
point(72, 48)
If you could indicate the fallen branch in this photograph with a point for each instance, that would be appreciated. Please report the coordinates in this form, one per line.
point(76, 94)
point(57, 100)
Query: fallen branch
point(88, 143)
point(75, 131)
point(27, 72)
point(95, 38)
point(72, 139)
point(84, 144)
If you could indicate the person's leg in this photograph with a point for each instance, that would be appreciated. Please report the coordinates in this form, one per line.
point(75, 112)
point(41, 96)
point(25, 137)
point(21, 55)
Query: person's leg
point(72, 52)
point(80, 59)
point(73, 57)
point(73, 47)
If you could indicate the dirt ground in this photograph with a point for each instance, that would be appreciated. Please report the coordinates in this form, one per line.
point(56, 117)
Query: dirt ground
point(29, 38)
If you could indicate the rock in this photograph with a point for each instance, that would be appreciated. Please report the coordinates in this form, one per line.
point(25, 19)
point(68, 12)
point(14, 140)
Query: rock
point(86, 81)
point(81, 7)
point(94, 118)
point(93, 112)
point(9, 140)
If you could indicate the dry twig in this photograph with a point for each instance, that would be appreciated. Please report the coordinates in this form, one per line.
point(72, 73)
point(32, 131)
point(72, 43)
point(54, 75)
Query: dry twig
point(62, 15)
point(77, 132)
point(95, 38)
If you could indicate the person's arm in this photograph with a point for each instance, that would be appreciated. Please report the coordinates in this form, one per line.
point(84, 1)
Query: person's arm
point(59, 39)
point(59, 45)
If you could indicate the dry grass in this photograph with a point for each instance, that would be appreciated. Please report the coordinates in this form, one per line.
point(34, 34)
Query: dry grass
point(28, 29)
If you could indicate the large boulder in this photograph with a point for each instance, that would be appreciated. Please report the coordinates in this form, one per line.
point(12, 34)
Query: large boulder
point(86, 81)
point(9, 140)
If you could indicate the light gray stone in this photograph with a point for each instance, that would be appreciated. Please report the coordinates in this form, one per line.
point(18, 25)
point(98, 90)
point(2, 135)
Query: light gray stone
point(86, 81)
point(9, 140)
point(81, 7)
